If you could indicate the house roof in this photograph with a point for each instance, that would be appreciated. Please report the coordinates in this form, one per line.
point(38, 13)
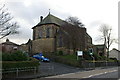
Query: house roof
point(115, 49)
point(100, 46)
point(9, 43)
point(50, 19)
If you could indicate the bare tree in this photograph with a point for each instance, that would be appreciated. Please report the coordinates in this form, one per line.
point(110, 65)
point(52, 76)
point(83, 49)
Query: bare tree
point(73, 38)
point(74, 21)
point(7, 27)
point(75, 32)
point(106, 36)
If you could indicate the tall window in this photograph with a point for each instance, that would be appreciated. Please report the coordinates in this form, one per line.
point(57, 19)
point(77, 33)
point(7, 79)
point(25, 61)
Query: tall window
point(40, 34)
point(47, 32)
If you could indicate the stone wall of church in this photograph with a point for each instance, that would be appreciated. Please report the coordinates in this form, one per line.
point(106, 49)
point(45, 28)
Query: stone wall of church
point(65, 50)
point(42, 30)
point(43, 45)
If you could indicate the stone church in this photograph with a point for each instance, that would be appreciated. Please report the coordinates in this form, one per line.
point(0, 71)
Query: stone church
point(52, 34)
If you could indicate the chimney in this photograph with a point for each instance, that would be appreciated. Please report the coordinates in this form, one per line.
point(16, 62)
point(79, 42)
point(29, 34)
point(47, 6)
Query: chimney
point(41, 18)
point(7, 40)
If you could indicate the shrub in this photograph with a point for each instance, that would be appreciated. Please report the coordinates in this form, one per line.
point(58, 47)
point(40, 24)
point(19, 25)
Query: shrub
point(16, 56)
point(19, 64)
point(60, 52)
point(104, 57)
point(86, 55)
point(97, 57)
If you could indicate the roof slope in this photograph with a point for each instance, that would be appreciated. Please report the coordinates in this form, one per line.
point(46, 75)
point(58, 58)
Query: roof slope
point(9, 43)
point(50, 19)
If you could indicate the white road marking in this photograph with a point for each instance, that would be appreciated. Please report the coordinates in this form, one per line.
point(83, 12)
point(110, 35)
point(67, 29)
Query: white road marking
point(81, 72)
point(100, 73)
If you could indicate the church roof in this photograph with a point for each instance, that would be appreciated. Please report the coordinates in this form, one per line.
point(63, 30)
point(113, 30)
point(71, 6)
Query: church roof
point(50, 19)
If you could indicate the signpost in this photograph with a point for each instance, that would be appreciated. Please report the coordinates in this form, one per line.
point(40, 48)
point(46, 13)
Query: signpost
point(79, 53)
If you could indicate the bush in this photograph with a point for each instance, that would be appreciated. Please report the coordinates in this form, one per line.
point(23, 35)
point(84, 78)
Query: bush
point(16, 56)
point(19, 64)
point(104, 57)
point(60, 52)
point(86, 55)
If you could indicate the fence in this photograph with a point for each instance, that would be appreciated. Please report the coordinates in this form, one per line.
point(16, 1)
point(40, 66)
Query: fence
point(6, 72)
point(46, 70)
point(92, 65)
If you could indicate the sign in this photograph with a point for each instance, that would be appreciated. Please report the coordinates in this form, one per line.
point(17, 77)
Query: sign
point(91, 53)
point(79, 53)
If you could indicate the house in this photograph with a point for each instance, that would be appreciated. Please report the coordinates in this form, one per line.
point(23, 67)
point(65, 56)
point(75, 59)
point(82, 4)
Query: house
point(52, 34)
point(100, 49)
point(114, 53)
point(9, 47)
point(26, 47)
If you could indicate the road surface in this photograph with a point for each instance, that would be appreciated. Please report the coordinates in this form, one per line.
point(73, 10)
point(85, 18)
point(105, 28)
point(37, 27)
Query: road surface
point(108, 73)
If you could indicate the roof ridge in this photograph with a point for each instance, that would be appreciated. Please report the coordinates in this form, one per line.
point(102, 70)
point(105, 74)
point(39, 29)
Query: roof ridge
point(10, 43)
point(51, 19)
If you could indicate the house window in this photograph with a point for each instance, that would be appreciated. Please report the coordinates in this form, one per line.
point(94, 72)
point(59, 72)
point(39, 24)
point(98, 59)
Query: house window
point(15, 48)
point(40, 34)
point(47, 32)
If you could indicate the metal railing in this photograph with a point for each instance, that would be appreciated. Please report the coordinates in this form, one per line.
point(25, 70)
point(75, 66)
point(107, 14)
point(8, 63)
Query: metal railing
point(17, 70)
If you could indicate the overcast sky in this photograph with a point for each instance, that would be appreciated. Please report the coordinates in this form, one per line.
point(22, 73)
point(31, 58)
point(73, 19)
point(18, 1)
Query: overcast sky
point(92, 13)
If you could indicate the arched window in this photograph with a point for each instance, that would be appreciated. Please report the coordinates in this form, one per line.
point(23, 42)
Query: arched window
point(47, 32)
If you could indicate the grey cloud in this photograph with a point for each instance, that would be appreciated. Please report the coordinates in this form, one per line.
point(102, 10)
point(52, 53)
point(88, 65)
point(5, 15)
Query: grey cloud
point(95, 23)
point(28, 13)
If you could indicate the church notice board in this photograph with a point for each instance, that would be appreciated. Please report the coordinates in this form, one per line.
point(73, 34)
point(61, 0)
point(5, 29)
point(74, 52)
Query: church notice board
point(79, 53)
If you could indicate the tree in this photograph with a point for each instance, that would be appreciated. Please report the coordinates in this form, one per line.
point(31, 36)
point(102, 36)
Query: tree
point(75, 21)
point(73, 27)
point(106, 36)
point(73, 38)
point(7, 27)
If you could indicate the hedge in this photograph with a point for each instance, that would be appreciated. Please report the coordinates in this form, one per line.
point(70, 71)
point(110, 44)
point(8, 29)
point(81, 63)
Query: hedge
point(19, 64)
point(16, 56)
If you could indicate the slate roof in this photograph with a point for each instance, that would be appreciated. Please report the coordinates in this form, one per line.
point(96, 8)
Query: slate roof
point(50, 19)
point(100, 46)
point(9, 43)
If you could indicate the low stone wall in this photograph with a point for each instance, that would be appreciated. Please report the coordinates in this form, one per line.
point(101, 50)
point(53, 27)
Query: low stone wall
point(98, 64)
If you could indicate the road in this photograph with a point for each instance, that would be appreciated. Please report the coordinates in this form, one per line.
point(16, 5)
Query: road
point(109, 73)
point(112, 74)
